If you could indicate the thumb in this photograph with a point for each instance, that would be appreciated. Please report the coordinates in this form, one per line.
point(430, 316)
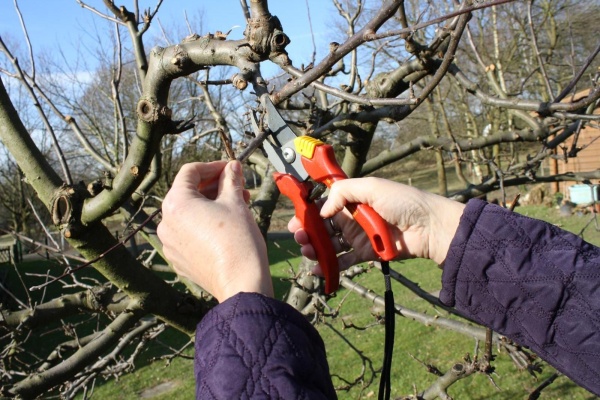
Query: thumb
point(231, 182)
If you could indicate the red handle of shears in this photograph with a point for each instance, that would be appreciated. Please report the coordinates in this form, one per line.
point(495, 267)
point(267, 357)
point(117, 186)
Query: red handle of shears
point(308, 214)
point(323, 168)
point(319, 161)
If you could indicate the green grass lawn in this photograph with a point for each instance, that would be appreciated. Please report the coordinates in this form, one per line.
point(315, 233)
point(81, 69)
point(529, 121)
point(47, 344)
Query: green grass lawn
point(355, 354)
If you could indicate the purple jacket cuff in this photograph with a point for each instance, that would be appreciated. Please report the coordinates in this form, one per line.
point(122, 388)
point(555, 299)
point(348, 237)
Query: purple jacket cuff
point(252, 346)
point(530, 281)
point(456, 252)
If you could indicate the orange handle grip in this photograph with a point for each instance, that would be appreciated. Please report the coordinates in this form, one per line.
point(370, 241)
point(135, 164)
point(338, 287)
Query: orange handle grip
point(322, 167)
point(308, 214)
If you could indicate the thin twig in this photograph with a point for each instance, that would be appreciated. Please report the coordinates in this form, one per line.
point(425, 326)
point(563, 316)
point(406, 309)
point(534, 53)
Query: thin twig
point(253, 145)
point(39, 219)
point(102, 15)
point(227, 144)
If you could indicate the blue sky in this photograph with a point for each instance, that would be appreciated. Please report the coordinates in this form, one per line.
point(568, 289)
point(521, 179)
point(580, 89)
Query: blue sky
point(55, 22)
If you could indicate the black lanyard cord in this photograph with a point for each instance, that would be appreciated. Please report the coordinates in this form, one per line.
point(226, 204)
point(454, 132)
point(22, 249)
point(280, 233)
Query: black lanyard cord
point(390, 319)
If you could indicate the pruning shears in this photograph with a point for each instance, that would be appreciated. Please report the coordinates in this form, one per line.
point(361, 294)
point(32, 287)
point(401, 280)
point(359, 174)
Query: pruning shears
point(300, 160)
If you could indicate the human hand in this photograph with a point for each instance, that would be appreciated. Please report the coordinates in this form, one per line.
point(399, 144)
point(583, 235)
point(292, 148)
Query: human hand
point(208, 233)
point(422, 224)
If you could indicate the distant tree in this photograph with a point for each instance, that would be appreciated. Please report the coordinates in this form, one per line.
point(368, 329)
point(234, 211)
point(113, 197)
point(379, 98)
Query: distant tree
point(490, 76)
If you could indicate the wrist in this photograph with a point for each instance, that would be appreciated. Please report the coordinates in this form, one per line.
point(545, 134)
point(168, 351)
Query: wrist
point(260, 282)
point(444, 220)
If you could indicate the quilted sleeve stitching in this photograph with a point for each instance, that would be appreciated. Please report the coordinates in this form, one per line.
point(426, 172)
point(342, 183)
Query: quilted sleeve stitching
point(547, 243)
point(258, 359)
point(215, 319)
point(456, 252)
point(257, 364)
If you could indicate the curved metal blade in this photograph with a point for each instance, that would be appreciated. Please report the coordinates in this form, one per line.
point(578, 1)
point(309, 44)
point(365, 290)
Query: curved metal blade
point(279, 145)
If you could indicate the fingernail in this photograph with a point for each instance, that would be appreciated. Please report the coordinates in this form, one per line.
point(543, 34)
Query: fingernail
point(236, 167)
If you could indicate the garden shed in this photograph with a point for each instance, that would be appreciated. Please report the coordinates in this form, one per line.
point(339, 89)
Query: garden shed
point(588, 157)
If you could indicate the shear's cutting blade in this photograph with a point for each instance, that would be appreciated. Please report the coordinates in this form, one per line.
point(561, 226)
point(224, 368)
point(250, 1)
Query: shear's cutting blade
point(280, 146)
point(281, 132)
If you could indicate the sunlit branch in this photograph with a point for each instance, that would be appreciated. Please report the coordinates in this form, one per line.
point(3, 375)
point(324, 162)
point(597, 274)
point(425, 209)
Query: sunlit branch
point(155, 116)
point(148, 17)
point(120, 122)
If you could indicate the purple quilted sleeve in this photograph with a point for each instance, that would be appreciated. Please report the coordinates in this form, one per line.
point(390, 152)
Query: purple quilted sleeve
point(255, 347)
point(532, 282)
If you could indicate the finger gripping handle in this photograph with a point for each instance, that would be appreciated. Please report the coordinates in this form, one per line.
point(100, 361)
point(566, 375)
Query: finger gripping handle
point(323, 168)
point(376, 228)
point(308, 214)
